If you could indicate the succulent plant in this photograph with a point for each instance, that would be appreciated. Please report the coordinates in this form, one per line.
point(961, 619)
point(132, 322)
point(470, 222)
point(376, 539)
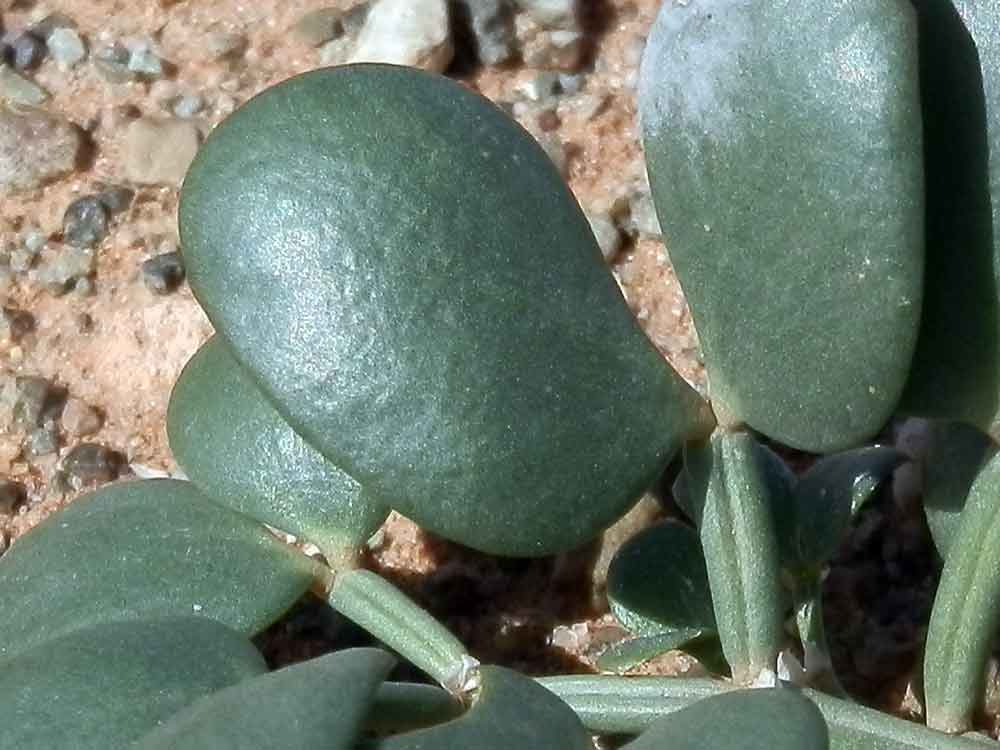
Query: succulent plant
point(413, 315)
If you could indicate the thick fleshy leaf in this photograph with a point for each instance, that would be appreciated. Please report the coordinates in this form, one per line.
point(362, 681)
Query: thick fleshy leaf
point(321, 703)
point(404, 707)
point(764, 719)
point(956, 367)
point(403, 271)
point(966, 612)
point(811, 520)
point(511, 711)
point(232, 443)
point(104, 687)
point(732, 481)
point(953, 455)
point(784, 153)
point(145, 549)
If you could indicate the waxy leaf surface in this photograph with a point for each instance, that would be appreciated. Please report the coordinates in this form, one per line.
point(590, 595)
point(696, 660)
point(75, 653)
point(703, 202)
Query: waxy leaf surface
point(402, 269)
point(783, 143)
point(104, 687)
point(145, 549)
point(321, 703)
point(234, 445)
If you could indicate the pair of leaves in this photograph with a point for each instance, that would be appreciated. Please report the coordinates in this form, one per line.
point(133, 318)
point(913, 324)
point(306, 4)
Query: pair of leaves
point(145, 549)
point(425, 303)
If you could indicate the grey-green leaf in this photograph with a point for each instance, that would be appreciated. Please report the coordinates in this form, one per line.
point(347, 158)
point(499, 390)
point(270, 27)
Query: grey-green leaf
point(816, 515)
point(145, 549)
point(658, 585)
point(956, 367)
point(783, 144)
point(953, 455)
point(402, 269)
point(732, 481)
point(630, 653)
point(765, 719)
point(105, 686)
point(232, 443)
point(321, 703)
point(512, 712)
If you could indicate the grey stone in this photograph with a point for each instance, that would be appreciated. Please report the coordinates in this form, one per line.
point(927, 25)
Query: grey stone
point(572, 83)
point(26, 51)
point(540, 87)
point(85, 222)
point(91, 463)
point(12, 496)
point(36, 401)
point(553, 14)
point(116, 198)
point(43, 441)
point(606, 232)
point(407, 32)
point(36, 148)
point(221, 44)
point(159, 151)
point(143, 61)
point(163, 273)
point(34, 241)
point(491, 23)
point(79, 419)
point(319, 26)
point(16, 89)
point(642, 219)
point(62, 266)
point(188, 105)
point(66, 47)
point(112, 63)
point(15, 324)
point(23, 258)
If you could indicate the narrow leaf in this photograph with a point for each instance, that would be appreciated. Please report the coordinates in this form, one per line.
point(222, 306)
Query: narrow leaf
point(143, 550)
point(318, 703)
point(704, 646)
point(105, 686)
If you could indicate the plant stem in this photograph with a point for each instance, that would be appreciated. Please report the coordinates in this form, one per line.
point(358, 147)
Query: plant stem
point(370, 601)
point(627, 705)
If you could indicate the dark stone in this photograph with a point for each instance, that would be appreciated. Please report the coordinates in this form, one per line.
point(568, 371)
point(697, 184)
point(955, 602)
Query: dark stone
point(18, 322)
point(116, 198)
point(163, 273)
point(85, 222)
point(12, 496)
point(92, 463)
point(37, 401)
point(26, 52)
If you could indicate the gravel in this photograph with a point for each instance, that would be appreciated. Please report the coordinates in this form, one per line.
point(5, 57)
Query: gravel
point(16, 89)
point(85, 223)
point(159, 151)
point(112, 62)
point(143, 61)
point(163, 273)
point(61, 266)
point(407, 32)
point(66, 47)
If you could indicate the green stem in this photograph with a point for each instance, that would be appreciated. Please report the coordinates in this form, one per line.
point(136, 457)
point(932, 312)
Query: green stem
point(812, 632)
point(628, 705)
point(370, 601)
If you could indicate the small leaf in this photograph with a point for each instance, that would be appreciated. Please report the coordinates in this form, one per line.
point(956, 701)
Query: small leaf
point(733, 482)
point(145, 549)
point(239, 451)
point(785, 159)
point(426, 304)
point(511, 711)
point(764, 719)
point(704, 646)
point(953, 455)
point(321, 703)
point(816, 515)
point(103, 687)
point(966, 611)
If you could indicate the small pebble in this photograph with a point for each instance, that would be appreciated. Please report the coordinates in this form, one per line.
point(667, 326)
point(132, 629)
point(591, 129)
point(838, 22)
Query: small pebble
point(606, 232)
point(43, 441)
point(66, 47)
point(112, 62)
point(36, 148)
point(540, 87)
point(407, 32)
point(50, 24)
point(36, 400)
point(188, 105)
point(79, 419)
point(26, 51)
point(318, 26)
point(17, 89)
point(62, 267)
point(144, 62)
point(91, 463)
point(642, 220)
point(162, 274)
point(116, 198)
point(491, 23)
point(221, 44)
point(15, 324)
point(34, 241)
point(85, 222)
point(159, 151)
point(561, 49)
point(12, 496)
point(23, 258)
point(552, 14)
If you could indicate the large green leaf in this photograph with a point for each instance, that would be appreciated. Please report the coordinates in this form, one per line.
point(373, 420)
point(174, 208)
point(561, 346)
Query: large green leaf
point(732, 481)
point(402, 269)
point(953, 455)
point(105, 686)
point(966, 612)
point(765, 719)
point(511, 712)
point(143, 550)
point(956, 367)
point(233, 444)
point(320, 703)
point(784, 152)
